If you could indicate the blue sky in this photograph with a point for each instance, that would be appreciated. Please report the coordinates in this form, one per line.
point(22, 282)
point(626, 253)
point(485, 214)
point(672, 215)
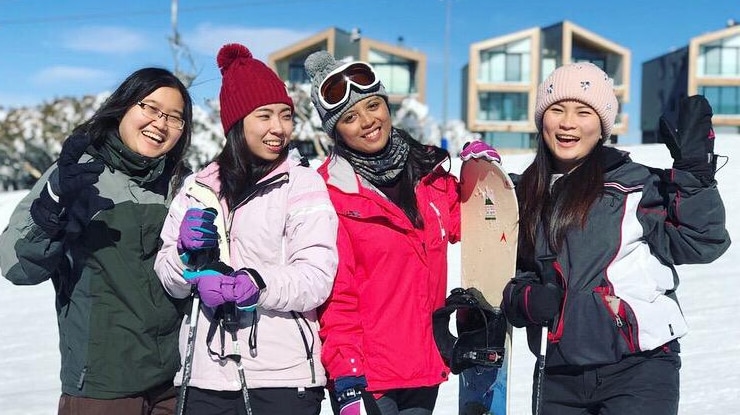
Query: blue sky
point(61, 48)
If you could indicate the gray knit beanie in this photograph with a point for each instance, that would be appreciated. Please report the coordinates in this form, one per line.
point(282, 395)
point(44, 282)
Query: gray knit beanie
point(318, 65)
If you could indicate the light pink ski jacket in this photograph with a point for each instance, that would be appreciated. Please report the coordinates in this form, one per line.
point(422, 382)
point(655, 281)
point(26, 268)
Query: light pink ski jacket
point(286, 230)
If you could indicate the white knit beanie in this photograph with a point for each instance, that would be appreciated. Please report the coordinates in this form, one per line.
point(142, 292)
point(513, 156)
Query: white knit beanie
point(584, 82)
point(318, 65)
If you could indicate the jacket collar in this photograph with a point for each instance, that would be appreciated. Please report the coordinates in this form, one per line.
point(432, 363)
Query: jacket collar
point(339, 173)
point(209, 177)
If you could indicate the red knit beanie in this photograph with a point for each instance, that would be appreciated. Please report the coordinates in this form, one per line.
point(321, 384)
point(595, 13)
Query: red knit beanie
point(247, 84)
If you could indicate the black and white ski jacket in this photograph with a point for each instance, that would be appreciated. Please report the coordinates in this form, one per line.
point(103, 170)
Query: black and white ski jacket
point(618, 271)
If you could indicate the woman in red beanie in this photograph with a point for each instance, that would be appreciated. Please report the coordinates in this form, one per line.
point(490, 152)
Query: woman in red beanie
point(600, 235)
point(253, 235)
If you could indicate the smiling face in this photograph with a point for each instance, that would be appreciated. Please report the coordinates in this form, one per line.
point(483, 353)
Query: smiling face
point(152, 138)
point(267, 130)
point(570, 129)
point(366, 126)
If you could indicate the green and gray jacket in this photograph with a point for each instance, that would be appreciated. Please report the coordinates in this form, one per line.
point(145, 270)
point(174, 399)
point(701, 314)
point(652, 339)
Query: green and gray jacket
point(118, 329)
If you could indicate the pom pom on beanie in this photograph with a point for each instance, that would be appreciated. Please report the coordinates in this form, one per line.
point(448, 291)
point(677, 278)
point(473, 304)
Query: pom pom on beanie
point(247, 84)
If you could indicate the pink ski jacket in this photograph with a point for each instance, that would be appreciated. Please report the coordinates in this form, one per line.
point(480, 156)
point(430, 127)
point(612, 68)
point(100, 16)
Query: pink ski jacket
point(286, 230)
point(391, 277)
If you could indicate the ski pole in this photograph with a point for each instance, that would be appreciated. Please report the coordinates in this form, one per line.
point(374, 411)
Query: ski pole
point(189, 352)
point(540, 371)
point(548, 276)
point(200, 260)
point(231, 324)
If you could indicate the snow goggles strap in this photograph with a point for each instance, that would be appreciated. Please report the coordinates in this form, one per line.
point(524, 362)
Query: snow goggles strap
point(335, 88)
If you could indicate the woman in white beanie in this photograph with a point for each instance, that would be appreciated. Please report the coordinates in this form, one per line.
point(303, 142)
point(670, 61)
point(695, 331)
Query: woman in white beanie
point(600, 235)
point(398, 210)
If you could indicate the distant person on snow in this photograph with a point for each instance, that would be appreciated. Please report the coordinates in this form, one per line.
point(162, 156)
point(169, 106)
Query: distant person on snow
point(272, 265)
point(399, 209)
point(91, 225)
point(600, 238)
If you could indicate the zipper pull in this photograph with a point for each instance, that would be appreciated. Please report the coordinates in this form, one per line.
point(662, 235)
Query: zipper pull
point(618, 320)
point(313, 370)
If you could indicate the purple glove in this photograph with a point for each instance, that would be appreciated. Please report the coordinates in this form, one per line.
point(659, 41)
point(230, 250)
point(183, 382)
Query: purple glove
point(218, 283)
point(197, 232)
point(479, 150)
point(243, 287)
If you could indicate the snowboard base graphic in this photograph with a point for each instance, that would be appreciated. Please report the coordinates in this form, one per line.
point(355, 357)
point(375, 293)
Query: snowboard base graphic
point(490, 231)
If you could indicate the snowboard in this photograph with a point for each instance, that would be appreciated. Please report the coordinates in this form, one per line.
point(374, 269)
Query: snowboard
point(490, 232)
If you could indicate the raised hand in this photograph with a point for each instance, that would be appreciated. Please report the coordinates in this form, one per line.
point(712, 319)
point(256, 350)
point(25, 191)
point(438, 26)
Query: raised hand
point(71, 176)
point(70, 199)
point(689, 137)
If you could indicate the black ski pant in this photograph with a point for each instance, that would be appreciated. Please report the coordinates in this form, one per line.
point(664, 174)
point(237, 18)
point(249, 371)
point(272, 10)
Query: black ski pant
point(645, 383)
point(263, 401)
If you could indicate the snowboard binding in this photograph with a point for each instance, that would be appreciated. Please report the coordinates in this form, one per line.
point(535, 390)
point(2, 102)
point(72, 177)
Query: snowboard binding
point(481, 331)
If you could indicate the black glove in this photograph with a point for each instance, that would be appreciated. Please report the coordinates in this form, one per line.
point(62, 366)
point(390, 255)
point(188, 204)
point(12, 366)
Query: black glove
point(47, 213)
point(537, 303)
point(690, 138)
point(74, 183)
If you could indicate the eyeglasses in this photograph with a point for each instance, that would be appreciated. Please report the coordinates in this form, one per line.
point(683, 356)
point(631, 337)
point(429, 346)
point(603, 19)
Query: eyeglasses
point(154, 113)
point(334, 89)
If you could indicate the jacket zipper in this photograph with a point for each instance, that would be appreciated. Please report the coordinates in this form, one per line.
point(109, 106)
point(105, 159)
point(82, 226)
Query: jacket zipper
point(230, 218)
point(439, 220)
point(621, 324)
point(309, 349)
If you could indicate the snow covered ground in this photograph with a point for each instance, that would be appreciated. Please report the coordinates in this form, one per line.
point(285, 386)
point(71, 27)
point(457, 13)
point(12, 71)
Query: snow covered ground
point(710, 377)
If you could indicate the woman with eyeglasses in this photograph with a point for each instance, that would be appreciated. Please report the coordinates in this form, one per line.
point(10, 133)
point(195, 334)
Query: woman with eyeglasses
point(398, 208)
point(256, 350)
point(91, 225)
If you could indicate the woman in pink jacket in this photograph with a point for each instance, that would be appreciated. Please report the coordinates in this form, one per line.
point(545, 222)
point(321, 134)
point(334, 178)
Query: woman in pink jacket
point(256, 347)
point(398, 208)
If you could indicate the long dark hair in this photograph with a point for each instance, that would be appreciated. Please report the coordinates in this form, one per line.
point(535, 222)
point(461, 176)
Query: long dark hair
point(423, 160)
point(238, 168)
point(133, 89)
point(561, 208)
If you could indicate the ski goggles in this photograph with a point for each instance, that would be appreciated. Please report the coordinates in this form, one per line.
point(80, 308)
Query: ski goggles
point(335, 88)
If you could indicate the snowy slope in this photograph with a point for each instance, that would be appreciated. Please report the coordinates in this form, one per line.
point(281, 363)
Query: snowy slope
point(710, 377)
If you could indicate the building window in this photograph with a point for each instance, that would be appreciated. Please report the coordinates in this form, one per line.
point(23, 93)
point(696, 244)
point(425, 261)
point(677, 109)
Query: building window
point(503, 106)
point(600, 62)
point(397, 74)
point(397, 78)
point(297, 73)
point(720, 58)
point(507, 63)
point(724, 100)
point(499, 139)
